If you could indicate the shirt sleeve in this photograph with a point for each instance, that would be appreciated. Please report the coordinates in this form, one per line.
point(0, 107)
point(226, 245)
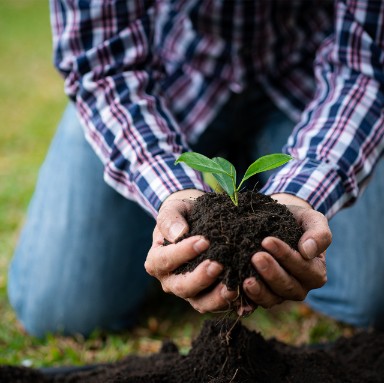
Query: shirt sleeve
point(104, 51)
point(340, 137)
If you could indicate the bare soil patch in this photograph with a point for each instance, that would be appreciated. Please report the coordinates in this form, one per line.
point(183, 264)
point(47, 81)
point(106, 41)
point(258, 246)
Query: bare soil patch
point(227, 352)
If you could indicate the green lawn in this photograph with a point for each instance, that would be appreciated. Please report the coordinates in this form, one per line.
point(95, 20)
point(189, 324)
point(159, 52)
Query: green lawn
point(31, 101)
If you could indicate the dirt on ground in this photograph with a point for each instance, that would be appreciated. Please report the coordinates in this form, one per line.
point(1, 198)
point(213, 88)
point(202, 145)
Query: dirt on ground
point(227, 352)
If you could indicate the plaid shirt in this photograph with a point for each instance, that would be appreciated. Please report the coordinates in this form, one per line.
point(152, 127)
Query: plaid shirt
point(148, 76)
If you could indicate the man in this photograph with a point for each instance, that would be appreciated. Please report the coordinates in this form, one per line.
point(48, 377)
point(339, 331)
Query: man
point(151, 79)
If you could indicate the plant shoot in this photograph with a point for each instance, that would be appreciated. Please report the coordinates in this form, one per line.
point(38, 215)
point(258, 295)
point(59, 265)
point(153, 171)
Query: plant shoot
point(225, 173)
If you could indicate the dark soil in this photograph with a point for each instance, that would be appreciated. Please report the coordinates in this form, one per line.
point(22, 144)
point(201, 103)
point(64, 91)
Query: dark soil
point(236, 232)
point(227, 352)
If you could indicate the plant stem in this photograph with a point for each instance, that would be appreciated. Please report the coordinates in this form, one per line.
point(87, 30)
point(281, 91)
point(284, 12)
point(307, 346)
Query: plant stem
point(235, 198)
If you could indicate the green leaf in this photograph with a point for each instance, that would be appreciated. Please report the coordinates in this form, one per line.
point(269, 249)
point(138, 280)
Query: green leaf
point(199, 162)
point(227, 181)
point(268, 162)
point(225, 173)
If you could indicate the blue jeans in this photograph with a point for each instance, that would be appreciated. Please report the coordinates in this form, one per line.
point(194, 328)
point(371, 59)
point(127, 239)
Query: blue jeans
point(79, 261)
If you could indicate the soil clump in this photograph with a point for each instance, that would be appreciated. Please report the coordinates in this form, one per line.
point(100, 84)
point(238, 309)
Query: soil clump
point(236, 232)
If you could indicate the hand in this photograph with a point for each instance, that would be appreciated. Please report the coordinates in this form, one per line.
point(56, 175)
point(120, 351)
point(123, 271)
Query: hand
point(163, 260)
point(287, 274)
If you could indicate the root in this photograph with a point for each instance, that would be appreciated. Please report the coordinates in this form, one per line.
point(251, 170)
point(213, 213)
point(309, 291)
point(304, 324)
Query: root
point(238, 294)
point(234, 376)
point(228, 334)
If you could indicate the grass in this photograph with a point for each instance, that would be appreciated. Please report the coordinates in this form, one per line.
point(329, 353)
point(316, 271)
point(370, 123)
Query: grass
point(31, 102)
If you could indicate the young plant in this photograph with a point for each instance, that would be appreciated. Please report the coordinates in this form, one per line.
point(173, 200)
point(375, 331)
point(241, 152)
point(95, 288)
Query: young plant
point(225, 173)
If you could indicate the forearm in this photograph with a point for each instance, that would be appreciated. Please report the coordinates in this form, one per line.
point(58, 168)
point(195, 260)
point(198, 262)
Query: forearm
point(341, 134)
point(110, 76)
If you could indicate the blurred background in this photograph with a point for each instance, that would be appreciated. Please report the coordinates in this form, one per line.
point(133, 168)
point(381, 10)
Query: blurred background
point(31, 102)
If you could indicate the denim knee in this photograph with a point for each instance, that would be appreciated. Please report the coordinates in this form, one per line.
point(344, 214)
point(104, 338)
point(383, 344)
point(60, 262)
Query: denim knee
point(41, 314)
point(79, 263)
point(354, 292)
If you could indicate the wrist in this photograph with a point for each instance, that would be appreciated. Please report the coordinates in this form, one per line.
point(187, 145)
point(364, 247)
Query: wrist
point(289, 199)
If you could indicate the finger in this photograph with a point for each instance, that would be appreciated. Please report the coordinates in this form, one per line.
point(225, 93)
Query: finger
point(259, 293)
point(246, 310)
point(317, 234)
point(276, 278)
point(229, 295)
point(219, 299)
point(165, 259)
point(157, 237)
point(309, 273)
point(238, 301)
point(193, 283)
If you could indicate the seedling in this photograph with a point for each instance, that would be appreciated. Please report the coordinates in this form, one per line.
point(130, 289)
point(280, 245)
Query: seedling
point(225, 173)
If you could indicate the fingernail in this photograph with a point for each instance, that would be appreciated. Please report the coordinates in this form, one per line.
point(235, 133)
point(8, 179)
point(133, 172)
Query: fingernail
point(244, 311)
point(250, 282)
point(310, 248)
point(261, 264)
point(224, 292)
point(200, 245)
point(175, 230)
point(214, 269)
point(270, 245)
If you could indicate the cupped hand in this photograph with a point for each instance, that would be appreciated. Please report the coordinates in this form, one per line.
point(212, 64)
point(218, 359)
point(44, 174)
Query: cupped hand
point(287, 274)
point(198, 287)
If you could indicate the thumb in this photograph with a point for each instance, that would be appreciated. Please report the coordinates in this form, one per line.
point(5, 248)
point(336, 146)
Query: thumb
point(171, 220)
point(172, 223)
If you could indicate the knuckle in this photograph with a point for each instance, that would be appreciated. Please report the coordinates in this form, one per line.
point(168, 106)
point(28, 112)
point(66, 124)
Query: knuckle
point(318, 282)
point(165, 260)
point(328, 237)
point(179, 289)
point(165, 287)
point(166, 264)
point(199, 308)
point(322, 277)
point(148, 268)
point(324, 237)
point(323, 280)
point(300, 296)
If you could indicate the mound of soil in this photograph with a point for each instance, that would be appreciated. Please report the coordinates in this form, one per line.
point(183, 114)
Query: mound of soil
point(227, 352)
point(236, 232)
